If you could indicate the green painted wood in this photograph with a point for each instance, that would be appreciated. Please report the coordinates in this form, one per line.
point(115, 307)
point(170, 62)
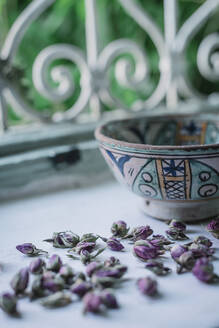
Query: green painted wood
point(51, 169)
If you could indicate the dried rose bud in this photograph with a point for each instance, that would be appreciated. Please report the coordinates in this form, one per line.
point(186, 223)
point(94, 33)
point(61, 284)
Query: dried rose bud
point(109, 299)
point(114, 244)
point(92, 267)
point(37, 289)
point(20, 281)
point(30, 249)
point(66, 239)
point(141, 233)
point(213, 228)
point(84, 246)
point(114, 272)
point(87, 257)
point(54, 263)
point(185, 262)
point(157, 267)
point(200, 250)
point(58, 299)
point(89, 237)
point(92, 302)
point(119, 229)
point(177, 250)
point(86, 252)
point(144, 250)
point(178, 225)
point(52, 282)
point(66, 272)
point(176, 234)
point(107, 277)
point(160, 241)
point(147, 286)
point(202, 240)
point(8, 303)
point(104, 282)
point(81, 287)
point(203, 270)
point(36, 266)
point(111, 262)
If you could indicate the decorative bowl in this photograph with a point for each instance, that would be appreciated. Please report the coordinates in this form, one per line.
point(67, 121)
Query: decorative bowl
point(171, 161)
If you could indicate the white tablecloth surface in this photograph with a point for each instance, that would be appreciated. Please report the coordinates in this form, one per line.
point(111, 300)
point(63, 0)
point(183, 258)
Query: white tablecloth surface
point(184, 301)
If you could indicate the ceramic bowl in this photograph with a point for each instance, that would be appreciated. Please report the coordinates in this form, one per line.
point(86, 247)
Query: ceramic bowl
point(172, 162)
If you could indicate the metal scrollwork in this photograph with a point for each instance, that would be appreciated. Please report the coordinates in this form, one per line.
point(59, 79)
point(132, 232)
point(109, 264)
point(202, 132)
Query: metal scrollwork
point(146, 22)
point(132, 71)
point(184, 36)
point(62, 76)
point(123, 71)
point(208, 57)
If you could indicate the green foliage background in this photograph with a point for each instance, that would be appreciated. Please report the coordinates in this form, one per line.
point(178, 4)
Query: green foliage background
point(64, 23)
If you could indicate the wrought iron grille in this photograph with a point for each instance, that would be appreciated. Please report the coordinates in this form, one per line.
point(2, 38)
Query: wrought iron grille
point(93, 65)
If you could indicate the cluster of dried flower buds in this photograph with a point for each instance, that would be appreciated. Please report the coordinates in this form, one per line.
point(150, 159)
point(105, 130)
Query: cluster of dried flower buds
point(55, 283)
point(176, 230)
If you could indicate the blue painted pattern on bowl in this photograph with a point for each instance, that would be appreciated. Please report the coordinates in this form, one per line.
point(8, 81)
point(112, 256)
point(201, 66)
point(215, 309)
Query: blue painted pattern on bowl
point(174, 158)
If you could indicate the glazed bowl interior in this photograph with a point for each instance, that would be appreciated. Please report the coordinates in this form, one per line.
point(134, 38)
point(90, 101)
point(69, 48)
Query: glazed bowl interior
point(164, 131)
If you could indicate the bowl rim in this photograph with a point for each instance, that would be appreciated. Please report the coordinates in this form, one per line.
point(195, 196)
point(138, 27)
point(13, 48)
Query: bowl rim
point(102, 138)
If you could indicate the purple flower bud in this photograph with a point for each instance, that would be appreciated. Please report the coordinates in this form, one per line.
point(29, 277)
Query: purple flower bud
point(20, 281)
point(147, 286)
point(109, 299)
point(84, 246)
point(92, 267)
point(26, 248)
point(36, 266)
point(160, 241)
point(157, 267)
point(111, 262)
point(66, 272)
point(119, 229)
point(141, 233)
point(202, 240)
point(56, 300)
point(66, 239)
point(85, 256)
point(178, 225)
point(37, 289)
point(177, 251)
point(114, 244)
point(203, 270)
point(115, 272)
point(144, 250)
point(213, 228)
point(176, 234)
point(52, 282)
point(81, 287)
point(46, 284)
point(8, 303)
point(54, 263)
point(200, 250)
point(29, 249)
point(185, 262)
point(92, 302)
